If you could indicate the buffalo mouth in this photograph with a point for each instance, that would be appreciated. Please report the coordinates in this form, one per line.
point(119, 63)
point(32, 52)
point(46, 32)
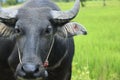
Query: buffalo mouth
point(21, 78)
point(30, 71)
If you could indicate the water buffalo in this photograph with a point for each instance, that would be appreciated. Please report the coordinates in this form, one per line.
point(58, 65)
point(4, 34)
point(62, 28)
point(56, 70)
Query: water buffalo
point(36, 41)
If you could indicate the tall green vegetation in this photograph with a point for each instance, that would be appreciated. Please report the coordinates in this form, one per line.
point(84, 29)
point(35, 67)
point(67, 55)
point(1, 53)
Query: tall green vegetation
point(11, 2)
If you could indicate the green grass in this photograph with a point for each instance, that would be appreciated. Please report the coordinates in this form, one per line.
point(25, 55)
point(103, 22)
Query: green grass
point(97, 55)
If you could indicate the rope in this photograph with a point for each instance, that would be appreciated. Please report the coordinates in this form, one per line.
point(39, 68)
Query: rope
point(19, 54)
point(46, 63)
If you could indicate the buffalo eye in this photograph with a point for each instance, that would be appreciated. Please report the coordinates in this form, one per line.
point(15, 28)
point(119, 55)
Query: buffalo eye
point(17, 30)
point(48, 30)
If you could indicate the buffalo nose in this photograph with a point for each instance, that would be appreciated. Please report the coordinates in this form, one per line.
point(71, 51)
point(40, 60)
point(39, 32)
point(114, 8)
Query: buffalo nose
point(30, 68)
point(32, 71)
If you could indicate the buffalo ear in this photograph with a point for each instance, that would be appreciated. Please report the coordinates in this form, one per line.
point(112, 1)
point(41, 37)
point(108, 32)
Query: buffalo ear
point(71, 29)
point(6, 32)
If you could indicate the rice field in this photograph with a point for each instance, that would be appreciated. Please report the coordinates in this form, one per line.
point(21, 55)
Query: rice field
point(97, 55)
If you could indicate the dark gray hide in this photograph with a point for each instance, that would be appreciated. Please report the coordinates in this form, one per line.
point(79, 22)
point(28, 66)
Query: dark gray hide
point(29, 34)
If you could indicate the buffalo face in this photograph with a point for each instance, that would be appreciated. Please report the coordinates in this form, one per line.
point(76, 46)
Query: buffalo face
point(33, 42)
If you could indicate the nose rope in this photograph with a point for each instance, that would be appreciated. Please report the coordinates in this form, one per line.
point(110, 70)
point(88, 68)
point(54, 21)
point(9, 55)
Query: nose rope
point(19, 55)
point(46, 62)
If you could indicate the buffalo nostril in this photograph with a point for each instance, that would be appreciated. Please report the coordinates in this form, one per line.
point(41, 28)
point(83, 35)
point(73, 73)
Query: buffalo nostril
point(42, 73)
point(30, 68)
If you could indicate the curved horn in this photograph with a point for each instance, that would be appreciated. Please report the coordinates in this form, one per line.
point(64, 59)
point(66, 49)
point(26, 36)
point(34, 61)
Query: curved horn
point(65, 16)
point(8, 13)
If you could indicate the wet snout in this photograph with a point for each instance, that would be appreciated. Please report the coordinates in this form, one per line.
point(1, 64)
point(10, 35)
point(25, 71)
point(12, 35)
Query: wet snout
point(31, 71)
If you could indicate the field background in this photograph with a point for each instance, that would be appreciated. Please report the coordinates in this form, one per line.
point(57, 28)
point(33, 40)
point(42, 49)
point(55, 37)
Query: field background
point(97, 55)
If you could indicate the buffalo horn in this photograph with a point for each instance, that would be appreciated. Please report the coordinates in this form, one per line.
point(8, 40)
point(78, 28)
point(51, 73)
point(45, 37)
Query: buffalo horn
point(65, 16)
point(7, 13)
